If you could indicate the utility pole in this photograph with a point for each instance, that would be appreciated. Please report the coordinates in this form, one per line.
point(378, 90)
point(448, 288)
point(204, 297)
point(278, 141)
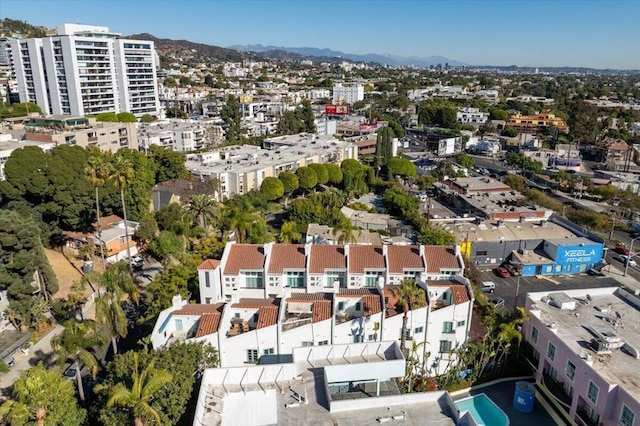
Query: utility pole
point(515, 303)
point(626, 264)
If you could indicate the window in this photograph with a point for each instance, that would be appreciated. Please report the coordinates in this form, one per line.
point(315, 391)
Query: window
point(627, 416)
point(252, 355)
point(340, 306)
point(323, 343)
point(461, 323)
point(534, 335)
point(307, 344)
point(207, 300)
point(178, 324)
point(592, 392)
point(207, 283)
point(295, 279)
point(481, 253)
point(333, 276)
point(371, 337)
point(447, 327)
point(551, 351)
point(570, 371)
point(268, 351)
point(253, 279)
point(371, 278)
point(536, 355)
point(445, 346)
point(237, 315)
point(418, 330)
point(358, 306)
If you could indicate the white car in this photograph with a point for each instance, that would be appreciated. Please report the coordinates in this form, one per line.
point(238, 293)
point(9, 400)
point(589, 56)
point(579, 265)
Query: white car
point(488, 287)
point(624, 259)
point(137, 262)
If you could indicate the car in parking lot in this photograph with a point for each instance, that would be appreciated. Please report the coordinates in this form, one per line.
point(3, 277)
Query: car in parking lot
point(513, 271)
point(137, 262)
point(625, 259)
point(488, 287)
point(498, 302)
point(9, 361)
point(502, 272)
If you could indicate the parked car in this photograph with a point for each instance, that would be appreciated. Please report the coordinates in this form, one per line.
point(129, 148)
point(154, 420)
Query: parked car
point(502, 272)
point(512, 269)
point(622, 250)
point(137, 262)
point(488, 287)
point(70, 372)
point(625, 259)
point(498, 302)
point(9, 361)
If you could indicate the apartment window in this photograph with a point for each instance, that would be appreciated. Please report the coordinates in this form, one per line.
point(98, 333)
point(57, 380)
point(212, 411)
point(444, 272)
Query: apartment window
point(340, 306)
point(358, 306)
point(551, 351)
point(411, 275)
point(534, 335)
point(592, 392)
point(252, 355)
point(335, 276)
point(445, 346)
point(447, 327)
point(371, 278)
point(207, 300)
point(268, 351)
point(295, 279)
point(418, 330)
point(461, 323)
point(207, 282)
point(323, 343)
point(536, 355)
point(237, 315)
point(627, 416)
point(253, 279)
point(570, 371)
point(179, 325)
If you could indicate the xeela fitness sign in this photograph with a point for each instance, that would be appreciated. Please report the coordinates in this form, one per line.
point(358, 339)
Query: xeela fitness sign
point(580, 255)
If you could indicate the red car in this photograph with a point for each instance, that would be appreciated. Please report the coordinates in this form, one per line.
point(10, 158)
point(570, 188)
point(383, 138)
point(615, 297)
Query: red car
point(502, 272)
point(622, 250)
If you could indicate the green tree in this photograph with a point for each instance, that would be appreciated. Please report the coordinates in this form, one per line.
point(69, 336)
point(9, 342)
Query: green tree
point(138, 398)
point(202, 207)
point(77, 342)
point(289, 233)
point(384, 148)
point(169, 163)
point(110, 117)
point(465, 160)
point(148, 118)
point(290, 123)
point(516, 182)
point(232, 117)
point(308, 119)
point(321, 172)
point(97, 172)
point(410, 297)
point(170, 82)
point(208, 80)
point(122, 176)
point(307, 178)
point(583, 121)
point(334, 173)
point(272, 188)
point(166, 245)
point(496, 113)
point(127, 117)
point(401, 167)
point(19, 110)
point(290, 183)
point(354, 176)
point(147, 229)
point(509, 132)
point(43, 397)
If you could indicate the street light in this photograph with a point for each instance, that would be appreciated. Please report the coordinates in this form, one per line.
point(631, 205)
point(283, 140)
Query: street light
point(626, 264)
point(515, 304)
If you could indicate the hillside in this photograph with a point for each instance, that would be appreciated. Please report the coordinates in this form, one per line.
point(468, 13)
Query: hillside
point(165, 46)
point(13, 26)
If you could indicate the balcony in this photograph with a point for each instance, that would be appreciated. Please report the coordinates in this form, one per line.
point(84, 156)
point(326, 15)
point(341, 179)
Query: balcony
point(295, 320)
point(239, 326)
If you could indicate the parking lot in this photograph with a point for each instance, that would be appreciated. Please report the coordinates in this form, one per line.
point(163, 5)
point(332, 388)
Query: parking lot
point(506, 287)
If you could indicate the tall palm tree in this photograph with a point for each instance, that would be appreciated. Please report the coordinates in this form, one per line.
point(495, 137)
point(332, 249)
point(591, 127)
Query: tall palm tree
point(97, 172)
point(202, 207)
point(116, 282)
point(242, 221)
point(34, 394)
point(122, 176)
point(77, 342)
point(410, 297)
point(138, 397)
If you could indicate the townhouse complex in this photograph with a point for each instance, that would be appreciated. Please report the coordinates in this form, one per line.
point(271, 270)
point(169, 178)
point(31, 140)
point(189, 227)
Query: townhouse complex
point(86, 69)
point(265, 300)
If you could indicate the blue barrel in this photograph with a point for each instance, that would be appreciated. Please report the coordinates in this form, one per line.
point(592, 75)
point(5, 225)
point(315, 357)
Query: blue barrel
point(524, 397)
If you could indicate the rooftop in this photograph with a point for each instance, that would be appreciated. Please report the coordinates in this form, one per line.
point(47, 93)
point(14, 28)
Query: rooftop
point(244, 257)
point(492, 231)
point(325, 257)
point(609, 313)
point(440, 257)
point(363, 257)
point(403, 257)
point(286, 256)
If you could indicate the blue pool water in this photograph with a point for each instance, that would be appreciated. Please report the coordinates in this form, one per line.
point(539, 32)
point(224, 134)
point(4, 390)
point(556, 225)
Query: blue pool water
point(483, 410)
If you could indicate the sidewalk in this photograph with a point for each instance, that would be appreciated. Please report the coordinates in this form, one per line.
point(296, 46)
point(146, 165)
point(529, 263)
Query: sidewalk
point(39, 352)
point(617, 274)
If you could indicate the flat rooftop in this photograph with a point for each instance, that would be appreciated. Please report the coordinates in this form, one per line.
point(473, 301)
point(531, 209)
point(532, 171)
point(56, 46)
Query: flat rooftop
point(489, 230)
point(15, 144)
point(612, 312)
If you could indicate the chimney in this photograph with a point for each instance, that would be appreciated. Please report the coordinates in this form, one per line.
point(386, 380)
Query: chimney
point(177, 302)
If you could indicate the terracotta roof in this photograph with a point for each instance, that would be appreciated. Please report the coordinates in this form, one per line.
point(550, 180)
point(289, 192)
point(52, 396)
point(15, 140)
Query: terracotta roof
point(107, 221)
point(198, 309)
point(350, 292)
point(209, 324)
point(267, 316)
point(400, 258)
point(246, 303)
point(440, 257)
point(371, 304)
point(309, 297)
point(209, 264)
point(286, 256)
point(184, 188)
point(321, 310)
point(246, 257)
point(326, 257)
point(460, 293)
point(363, 257)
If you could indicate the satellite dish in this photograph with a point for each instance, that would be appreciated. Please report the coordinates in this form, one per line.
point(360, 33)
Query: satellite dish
point(589, 297)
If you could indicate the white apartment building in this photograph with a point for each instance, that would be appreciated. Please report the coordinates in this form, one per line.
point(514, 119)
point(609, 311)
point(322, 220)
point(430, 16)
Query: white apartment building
point(316, 94)
point(86, 70)
point(242, 168)
point(176, 135)
point(348, 94)
point(262, 300)
point(471, 116)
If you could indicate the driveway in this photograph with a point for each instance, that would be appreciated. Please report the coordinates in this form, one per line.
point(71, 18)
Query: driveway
point(149, 270)
point(39, 352)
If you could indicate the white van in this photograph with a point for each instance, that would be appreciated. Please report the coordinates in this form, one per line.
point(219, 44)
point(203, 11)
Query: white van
point(488, 287)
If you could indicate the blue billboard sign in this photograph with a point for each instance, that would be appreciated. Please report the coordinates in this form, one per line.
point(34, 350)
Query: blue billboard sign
point(589, 254)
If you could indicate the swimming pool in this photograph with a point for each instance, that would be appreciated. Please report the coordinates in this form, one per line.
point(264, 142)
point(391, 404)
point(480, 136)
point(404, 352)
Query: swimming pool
point(483, 410)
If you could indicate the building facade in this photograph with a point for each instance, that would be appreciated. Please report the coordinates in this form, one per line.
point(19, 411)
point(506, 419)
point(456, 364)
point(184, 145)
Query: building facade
point(87, 70)
point(348, 94)
point(536, 123)
point(471, 116)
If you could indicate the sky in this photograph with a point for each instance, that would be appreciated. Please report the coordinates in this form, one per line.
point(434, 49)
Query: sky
point(590, 33)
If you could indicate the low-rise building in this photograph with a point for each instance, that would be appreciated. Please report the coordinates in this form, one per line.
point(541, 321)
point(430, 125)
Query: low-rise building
point(110, 232)
point(471, 116)
point(536, 123)
point(586, 352)
point(176, 135)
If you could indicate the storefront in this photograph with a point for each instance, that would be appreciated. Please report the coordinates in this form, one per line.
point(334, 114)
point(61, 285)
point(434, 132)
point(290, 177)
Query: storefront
point(572, 256)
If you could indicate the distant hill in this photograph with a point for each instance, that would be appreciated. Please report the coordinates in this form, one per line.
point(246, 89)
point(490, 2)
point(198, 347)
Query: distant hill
point(13, 26)
point(165, 46)
point(385, 59)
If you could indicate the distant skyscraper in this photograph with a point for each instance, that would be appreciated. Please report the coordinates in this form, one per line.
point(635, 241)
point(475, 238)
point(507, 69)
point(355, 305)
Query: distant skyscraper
point(86, 70)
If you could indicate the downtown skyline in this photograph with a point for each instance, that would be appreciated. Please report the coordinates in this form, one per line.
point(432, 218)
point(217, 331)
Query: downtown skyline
point(525, 33)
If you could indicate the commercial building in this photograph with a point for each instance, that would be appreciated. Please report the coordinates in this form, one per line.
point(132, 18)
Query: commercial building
point(471, 116)
point(243, 168)
point(348, 94)
point(586, 353)
point(86, 70)
point(536, 123)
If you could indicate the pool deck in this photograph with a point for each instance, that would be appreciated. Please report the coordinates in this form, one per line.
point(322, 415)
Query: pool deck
point(502, 395)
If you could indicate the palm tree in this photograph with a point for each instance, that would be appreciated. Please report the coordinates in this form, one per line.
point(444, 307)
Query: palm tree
point(146, 384)
point(202, 207)
point(242, 222)
point(345, 233)
point(77, 343)
point(116, 282)
point(34, 393)
point(410, 297)
point(289, 233)
point(122, 176)
point(97, 172)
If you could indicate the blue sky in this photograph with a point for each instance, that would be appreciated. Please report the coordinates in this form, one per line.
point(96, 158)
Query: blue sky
point(599, 34)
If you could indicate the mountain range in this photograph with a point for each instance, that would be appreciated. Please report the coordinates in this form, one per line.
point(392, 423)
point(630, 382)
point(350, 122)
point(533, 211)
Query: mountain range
point(385, 59)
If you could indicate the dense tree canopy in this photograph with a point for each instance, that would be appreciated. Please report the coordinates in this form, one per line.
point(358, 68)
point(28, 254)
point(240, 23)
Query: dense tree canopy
point(169, 163)
point(272, 188)
point(321, 172)
point(232, 117)
point(401, 167)
point(307, 178)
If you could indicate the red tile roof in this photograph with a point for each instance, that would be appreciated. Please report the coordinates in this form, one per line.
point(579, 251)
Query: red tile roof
point(209, 324)
point(350, 292)
point(309, 297)
point(326, 257)
point(363, 257)
point(245, 257)
point(198, 309)
point(400, 258)
point(246, 303)
point(460, 293)
point(286, 256)
point(267, 316)
point(371, 304)
point(209, 264)
point(321, 310)
point(440, 257)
